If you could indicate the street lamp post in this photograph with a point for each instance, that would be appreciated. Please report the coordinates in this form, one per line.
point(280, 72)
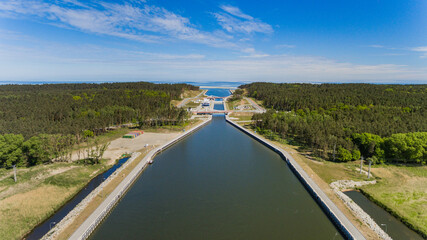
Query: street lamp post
point(383, 224)
point(336, 234)
point(50, 225)
point(369, 170)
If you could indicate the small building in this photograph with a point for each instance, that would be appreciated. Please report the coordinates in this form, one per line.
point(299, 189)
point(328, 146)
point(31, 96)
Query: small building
point(205, 103)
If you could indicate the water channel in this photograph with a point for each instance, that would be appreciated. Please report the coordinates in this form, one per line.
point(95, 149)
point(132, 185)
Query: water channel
point(219, 106)
point(217, 183)
point(44, 227)
point(394, 228)
point(217, 92)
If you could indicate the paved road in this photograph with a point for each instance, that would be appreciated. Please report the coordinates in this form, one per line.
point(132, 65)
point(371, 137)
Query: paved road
point(188, 99)
point(255, 105)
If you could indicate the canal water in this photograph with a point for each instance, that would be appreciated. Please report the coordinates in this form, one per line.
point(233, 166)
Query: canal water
point(218, 92)
point(394, 228)
point(219, 106)
point(217, 183)
point(44, 227)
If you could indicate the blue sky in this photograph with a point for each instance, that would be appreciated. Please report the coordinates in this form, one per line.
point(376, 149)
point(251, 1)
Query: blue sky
point(374, 41)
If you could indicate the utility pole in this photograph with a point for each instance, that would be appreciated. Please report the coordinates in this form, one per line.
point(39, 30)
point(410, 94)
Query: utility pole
point(14, 172)
point(361, 165)
point(369, 170)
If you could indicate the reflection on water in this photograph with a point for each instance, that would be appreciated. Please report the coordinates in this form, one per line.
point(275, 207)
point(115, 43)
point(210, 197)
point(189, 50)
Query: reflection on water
point(217, 184)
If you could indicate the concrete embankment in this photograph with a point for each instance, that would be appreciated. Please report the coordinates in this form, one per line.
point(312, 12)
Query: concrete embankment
point(90, 224)
point(337, 217)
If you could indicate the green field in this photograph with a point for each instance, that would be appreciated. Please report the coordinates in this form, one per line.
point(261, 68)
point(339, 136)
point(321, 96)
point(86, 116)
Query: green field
point(402, 190)
point(39, 192)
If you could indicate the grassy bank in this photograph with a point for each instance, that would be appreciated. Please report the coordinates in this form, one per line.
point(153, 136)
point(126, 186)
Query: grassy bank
point(309, 163)
point(43, 189)
point(187, 94)
point(239, 103)
point(191, 104)
point(242, 116)
point(401, 190)
point(103, 138)
point(106, 190)
point(172, 128)
point(39, 192)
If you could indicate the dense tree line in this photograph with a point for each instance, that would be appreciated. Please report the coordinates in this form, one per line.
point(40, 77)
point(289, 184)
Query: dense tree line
point(237, 95)
point(39, 122)
point(347, 119)
point(44, 148)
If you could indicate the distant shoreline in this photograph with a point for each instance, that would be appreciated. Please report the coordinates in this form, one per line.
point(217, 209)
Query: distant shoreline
point(197, 83)
point(203, 87)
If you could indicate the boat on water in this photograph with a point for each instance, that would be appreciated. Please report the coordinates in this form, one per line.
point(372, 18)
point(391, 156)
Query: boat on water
point(151, 161)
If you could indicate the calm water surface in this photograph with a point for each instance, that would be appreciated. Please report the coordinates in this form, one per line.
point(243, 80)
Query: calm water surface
point(217, 184)
point(218, 92)
point(219, 106)
point(395, 229)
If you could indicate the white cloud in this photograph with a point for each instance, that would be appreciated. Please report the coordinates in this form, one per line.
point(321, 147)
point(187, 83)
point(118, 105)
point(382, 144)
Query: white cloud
point(88, 62)
point(253, 53)
point(257, 55)
point(236, 12)
point(135, 20)
point(422, 49)
point(376, 46)
point(233, 20)
point(249, 50)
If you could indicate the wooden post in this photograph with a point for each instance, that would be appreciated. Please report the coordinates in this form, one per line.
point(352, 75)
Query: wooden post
point(369, 170)
point(361, 165)
point(14, 173)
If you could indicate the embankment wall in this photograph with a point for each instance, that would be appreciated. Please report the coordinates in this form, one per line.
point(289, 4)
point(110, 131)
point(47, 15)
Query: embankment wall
point(337, 217)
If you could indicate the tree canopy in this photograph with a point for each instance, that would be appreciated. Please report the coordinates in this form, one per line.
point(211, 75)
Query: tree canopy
point(383, 122)
point(39, 122)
